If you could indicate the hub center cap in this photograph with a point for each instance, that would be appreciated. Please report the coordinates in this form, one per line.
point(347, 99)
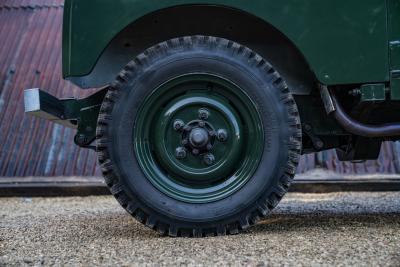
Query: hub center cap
point(198, 137)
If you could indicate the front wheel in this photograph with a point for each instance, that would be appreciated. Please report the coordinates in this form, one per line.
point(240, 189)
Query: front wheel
point(198, 136)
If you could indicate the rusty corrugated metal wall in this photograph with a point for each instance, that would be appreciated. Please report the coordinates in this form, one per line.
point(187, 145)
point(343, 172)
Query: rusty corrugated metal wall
point(388, 162)
point(30, 56)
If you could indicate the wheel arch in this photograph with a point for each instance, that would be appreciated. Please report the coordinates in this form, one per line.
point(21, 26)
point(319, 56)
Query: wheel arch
point(213, 20)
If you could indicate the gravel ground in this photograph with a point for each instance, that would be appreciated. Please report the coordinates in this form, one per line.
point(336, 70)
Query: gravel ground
point(361, 229)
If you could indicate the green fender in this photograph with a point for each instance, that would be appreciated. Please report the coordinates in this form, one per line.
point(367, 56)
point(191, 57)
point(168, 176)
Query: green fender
point(343, 41)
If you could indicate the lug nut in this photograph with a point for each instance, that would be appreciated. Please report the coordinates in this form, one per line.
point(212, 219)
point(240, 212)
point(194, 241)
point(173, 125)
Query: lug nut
point(180, 153)
point(178, 125)
point(203, 114)
point(222, 135)
point(209, 159)
point(195, 151)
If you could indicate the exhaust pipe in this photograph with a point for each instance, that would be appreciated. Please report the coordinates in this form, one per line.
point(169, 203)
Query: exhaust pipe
point(332, 106)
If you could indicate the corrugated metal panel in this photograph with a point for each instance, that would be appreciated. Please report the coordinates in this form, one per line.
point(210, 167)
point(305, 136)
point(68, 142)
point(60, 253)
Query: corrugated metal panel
point(32, 4)
point(30, 56)
point(388, 162)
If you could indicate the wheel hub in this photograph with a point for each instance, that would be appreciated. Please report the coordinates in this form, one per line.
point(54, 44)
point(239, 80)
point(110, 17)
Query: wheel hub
point(191, 141)
point(198, 137)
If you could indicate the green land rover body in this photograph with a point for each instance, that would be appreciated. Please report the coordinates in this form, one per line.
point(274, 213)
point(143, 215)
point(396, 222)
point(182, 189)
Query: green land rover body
point(204, 107)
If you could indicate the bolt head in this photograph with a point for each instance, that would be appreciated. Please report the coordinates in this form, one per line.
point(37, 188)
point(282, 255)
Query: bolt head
point(184, 142)
point(81, 139)
point(319, 144)
point(195, 151)
point(180, 153)
point(307, 127)
point(202, 124)
point(203, 114)
point(209, 146)
point(209, 159)
point(178, 125)
point(222, 135)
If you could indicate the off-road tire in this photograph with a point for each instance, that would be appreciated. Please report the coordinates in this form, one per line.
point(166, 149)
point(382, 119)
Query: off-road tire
point(136, 194)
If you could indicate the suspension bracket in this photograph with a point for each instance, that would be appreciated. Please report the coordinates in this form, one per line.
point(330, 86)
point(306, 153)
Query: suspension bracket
point(80, 114)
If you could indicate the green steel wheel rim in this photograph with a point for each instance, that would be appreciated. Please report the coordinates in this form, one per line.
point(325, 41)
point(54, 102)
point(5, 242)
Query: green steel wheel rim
point(198, 138)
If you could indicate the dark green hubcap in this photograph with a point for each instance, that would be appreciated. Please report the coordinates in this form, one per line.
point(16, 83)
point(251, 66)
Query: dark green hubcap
point(198, 138)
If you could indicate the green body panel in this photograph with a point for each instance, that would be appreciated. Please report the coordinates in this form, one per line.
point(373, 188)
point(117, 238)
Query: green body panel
point(343, 41)
point(394, 41)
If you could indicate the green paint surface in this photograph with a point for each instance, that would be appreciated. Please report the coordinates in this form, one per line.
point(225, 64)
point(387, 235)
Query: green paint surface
point(394, 38)
point(343, 41)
